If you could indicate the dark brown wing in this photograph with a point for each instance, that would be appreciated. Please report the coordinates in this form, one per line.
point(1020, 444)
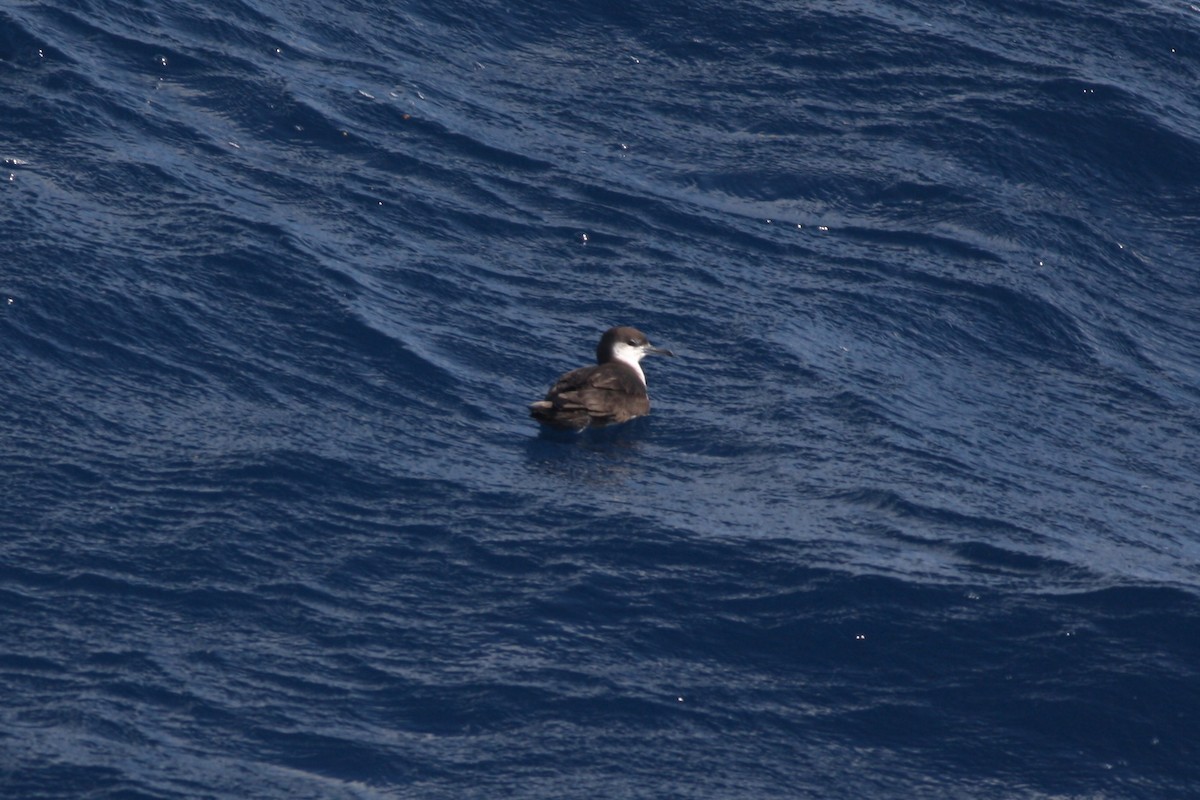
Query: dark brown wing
point(599, 395)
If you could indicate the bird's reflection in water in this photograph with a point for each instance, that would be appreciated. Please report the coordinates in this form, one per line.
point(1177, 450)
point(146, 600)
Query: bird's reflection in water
point(601, 456)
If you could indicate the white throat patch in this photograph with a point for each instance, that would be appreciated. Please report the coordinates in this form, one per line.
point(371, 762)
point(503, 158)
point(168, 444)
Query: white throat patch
point(631, 356)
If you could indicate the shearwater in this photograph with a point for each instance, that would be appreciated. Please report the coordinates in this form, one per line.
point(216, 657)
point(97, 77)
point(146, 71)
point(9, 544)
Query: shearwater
point(612, 391)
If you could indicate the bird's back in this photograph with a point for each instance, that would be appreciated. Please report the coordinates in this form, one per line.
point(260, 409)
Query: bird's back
point(595, 396)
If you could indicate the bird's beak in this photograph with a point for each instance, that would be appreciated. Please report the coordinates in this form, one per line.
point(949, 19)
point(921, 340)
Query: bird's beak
point(650, 349)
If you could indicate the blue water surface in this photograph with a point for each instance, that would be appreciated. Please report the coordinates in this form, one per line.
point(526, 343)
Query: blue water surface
point(916, 511)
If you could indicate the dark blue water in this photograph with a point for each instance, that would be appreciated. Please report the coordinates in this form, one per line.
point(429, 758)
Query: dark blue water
point(916, 513)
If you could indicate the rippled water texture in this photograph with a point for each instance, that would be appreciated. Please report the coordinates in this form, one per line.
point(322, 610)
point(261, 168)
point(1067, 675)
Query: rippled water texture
point(915, 514)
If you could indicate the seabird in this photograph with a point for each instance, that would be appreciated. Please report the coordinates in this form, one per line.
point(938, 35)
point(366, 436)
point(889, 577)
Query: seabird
point(612, 391)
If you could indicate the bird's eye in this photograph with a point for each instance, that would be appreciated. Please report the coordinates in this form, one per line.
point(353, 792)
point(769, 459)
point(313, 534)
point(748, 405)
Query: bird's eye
point(632, 343)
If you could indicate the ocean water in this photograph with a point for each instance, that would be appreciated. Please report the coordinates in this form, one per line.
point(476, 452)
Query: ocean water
point(916, 511)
